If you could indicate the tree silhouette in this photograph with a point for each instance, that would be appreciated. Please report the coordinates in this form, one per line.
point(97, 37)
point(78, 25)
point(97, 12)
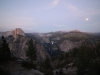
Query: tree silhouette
point(4, 50)
point(87, 60)
point(31, 52)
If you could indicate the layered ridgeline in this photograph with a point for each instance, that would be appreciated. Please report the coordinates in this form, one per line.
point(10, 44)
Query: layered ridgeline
point(60, 41)
point(18, 43)
point(53, 43)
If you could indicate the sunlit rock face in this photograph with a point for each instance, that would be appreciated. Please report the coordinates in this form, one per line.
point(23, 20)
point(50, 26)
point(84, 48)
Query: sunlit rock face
point(18, 31)
point(14, 33)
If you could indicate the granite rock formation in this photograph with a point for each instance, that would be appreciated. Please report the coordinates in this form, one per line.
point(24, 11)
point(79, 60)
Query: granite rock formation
point(18, 44)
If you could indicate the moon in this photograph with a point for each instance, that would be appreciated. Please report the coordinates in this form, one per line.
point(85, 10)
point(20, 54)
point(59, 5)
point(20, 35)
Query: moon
point(87, 19)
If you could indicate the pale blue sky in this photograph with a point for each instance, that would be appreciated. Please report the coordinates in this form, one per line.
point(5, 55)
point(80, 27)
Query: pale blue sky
point(50, 15)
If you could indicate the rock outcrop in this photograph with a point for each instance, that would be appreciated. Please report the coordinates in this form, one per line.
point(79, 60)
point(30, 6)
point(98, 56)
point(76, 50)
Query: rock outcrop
point(18, 44)
point(67, 45)
point(18, 31)
point(14, 33)
point(16, 69)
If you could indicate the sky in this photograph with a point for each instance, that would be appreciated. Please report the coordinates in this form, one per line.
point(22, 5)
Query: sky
point(50, 15)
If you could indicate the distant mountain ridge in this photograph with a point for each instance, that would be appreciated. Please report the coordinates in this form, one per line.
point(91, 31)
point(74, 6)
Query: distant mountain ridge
point(54, 42)
point(61, 41)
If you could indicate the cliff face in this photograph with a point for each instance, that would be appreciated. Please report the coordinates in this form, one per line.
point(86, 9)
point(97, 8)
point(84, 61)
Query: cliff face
point(66, 41)
point(41, 52)
point(14, 33)
point(67, 45)
point(18, 31)
point(61, 41)
point(18, 44)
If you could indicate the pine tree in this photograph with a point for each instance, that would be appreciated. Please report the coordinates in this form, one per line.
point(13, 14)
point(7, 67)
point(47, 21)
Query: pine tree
point(31, 52)
point(4, 50)
point(47, 64)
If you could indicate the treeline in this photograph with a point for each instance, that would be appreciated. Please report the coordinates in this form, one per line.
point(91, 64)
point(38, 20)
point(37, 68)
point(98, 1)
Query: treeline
point(85, 58)
point(5, 53)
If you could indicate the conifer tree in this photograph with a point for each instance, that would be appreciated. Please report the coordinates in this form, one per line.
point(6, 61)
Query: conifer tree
point(31, 52)
point(4, 50)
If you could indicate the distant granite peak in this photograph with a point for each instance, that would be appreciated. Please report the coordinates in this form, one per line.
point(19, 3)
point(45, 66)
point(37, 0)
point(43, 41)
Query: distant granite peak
point(75, 30)
point(19, 31)
point(15, 32)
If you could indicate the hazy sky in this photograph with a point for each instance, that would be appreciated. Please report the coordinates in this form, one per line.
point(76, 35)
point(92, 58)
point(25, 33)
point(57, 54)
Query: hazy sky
point(50, 15)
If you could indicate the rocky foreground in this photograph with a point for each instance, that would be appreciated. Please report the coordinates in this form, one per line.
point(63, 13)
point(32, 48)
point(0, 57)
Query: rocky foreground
point(15, 68)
